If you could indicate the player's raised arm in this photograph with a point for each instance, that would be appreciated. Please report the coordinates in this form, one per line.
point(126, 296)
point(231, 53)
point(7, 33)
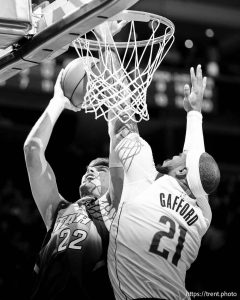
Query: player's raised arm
point(203, 173)
point(124, 137)
point(41, 176)
point(104, 33)
point(193, 99)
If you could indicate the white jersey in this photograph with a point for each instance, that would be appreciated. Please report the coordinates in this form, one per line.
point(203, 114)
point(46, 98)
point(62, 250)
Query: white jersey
point(156, 233)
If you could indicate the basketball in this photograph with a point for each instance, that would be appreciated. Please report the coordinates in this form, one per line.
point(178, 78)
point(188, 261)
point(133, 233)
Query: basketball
point(74, 79)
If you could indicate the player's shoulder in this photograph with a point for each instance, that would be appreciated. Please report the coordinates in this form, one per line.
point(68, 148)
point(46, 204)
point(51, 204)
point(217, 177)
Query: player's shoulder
point(169, 181)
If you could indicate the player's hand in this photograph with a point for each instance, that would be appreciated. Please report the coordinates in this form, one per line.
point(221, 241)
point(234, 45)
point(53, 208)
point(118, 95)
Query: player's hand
point(193, 97)
point(108, 29)
point(59, 97)
point(116, 26)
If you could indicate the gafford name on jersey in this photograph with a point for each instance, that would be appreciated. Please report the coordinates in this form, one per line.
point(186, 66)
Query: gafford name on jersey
point(179, 205)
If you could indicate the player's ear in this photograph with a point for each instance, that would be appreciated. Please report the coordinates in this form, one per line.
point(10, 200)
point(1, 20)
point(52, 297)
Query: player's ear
point(181, 173)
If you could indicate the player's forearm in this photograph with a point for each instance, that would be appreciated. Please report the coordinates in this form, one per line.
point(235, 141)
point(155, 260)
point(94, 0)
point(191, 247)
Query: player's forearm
point(118, 131)
point(42, 130)
point(110, 65)
point(116, 176)
point(194, 132)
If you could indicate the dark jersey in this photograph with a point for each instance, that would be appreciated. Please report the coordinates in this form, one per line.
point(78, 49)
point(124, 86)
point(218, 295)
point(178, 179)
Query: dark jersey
point(72, 261)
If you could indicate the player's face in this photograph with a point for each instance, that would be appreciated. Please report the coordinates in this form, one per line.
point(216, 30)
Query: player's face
point(95, 181)
point(170, 165)
point(176, 160)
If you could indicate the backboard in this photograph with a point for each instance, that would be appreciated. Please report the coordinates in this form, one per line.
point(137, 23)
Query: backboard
point(60, 23)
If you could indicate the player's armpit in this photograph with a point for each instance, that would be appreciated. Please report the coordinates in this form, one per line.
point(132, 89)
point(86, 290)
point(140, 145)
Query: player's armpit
point(108, 211)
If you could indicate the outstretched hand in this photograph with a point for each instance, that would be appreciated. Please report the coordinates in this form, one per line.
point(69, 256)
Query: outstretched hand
point(193, 97)
point(59, 95)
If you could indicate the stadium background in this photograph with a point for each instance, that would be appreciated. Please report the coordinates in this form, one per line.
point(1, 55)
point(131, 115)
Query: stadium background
point(77, 138)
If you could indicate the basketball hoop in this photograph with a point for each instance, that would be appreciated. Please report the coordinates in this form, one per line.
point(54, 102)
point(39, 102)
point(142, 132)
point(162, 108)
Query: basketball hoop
point(123, 91)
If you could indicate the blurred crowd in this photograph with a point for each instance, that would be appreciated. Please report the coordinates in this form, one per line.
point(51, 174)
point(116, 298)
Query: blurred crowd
point(21, 232)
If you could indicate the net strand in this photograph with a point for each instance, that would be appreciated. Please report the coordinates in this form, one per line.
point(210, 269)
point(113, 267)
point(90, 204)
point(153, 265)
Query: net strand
point(122, 89)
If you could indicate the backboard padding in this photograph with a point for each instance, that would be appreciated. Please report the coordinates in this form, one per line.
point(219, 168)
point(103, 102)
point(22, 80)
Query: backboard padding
point(54, 40)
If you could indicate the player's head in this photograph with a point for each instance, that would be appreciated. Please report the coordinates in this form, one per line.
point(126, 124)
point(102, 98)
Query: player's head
point(95, 181)
point(175, 166)
point(181, 168)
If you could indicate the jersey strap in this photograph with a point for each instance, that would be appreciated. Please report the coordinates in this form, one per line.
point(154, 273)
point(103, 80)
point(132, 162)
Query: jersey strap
point(62, 205)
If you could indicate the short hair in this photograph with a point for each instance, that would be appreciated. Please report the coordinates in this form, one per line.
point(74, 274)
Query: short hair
point(100, 161)
point(209, 173)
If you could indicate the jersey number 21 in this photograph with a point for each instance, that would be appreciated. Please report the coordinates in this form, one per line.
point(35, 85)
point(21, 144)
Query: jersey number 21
point(169, 234)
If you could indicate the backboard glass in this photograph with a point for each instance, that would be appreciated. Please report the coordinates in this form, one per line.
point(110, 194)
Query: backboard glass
point(64, 21)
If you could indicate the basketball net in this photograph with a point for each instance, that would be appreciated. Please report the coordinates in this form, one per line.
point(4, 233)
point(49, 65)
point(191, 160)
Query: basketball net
point(123, 90)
